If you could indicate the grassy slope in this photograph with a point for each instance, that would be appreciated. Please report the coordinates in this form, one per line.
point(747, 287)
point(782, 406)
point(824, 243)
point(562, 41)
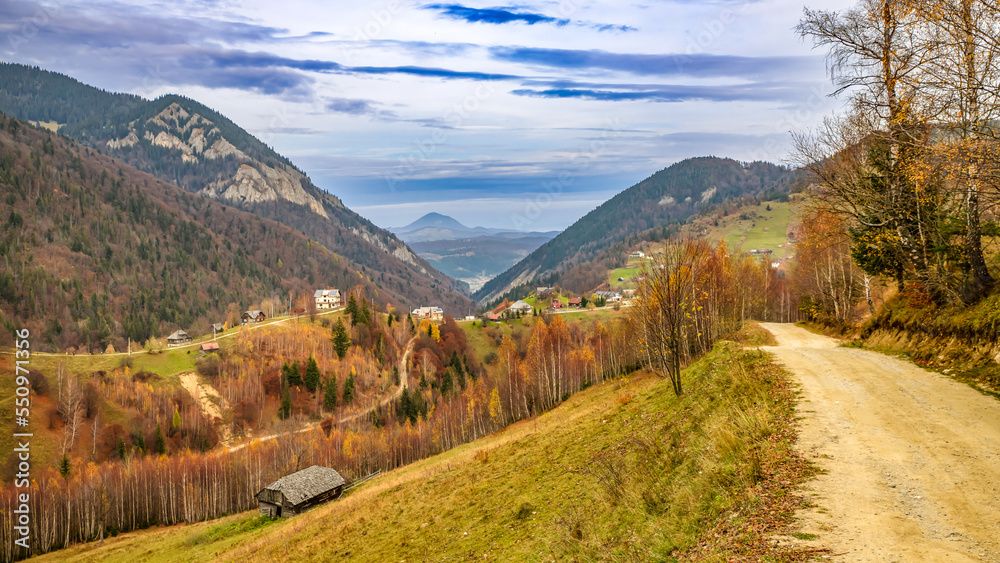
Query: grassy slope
point(766, 231)
point(622, 471)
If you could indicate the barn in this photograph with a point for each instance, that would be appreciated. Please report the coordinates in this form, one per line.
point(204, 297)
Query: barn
point(300, 491)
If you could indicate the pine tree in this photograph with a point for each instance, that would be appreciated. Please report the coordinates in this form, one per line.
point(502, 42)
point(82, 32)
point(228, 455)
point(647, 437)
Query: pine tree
point(160, 445)
point(364, 314)
point(341, 341)
point(140, 443)
point(330, 394)
point(312, 375)
point(64, 467)
point(349, 388)
point(285, 410)
point(352, 309)
point(294, 377)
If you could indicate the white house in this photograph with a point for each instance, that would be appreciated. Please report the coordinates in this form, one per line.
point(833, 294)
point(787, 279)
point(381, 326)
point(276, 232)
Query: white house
point(432, 313)
point(521, 306)
point(637, 254)
point(327, 298)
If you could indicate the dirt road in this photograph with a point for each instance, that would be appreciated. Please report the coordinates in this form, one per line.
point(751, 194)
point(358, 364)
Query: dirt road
point(911, 458)
point(403, 383)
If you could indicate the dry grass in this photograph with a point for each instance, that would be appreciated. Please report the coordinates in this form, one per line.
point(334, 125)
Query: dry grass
point(597, 479)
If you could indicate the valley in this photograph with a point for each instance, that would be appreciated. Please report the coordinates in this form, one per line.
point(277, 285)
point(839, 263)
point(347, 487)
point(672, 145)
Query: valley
point(719, 302)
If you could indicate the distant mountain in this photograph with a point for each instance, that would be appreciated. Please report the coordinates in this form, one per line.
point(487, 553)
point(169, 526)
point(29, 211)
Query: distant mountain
point(668, 197)
point(196, 148)
point(432, 221)
point(471, 255)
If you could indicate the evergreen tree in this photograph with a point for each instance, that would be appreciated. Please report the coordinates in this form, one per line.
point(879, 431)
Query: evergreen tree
point(285, 410)
point(388, 321)
point(409, 319)
point(447, 382)
point(395, 375)
point(364, 314)
point(312, 375)
point(140, 443)
point(330, 394)
point(294, 377)
point(64, 467)
point(341, 341)
point(160, 444)
point(177, 418)
point(349, 388)
point(352, 309)
point(121, 448)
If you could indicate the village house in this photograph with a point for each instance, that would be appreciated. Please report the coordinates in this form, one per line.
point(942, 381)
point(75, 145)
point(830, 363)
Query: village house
point(210, 347)
point(492, 317)
point(431, 313)
point(609, 296)
point(300, 491)
point(543, 292)
point(637, 254)
point(253, 316)
point(628, 293)
point(218, 327)
point(574, 302)
point(520, 307)
point(177, 338)
point(327, 298)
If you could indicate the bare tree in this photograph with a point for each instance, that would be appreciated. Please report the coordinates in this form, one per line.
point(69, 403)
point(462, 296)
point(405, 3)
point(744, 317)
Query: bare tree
point(71, 409)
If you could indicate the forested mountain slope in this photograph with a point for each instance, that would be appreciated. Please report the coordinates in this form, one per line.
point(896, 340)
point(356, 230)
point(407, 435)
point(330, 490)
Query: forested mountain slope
point(198, 149)
point(96, 252)
point(671, 195)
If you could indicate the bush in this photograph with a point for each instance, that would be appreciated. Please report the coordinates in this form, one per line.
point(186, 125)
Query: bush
point(208, 366)
point(39, 384)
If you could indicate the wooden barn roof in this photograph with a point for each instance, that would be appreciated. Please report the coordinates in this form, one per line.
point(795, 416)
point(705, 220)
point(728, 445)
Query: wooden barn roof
point(302, 485)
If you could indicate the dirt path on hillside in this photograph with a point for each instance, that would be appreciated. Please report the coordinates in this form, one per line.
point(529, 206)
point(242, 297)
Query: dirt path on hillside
point(911, 458)
point(207, 398)
point(403, 383)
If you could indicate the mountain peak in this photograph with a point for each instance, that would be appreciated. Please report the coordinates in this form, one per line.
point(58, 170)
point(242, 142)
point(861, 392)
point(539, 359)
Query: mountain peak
point(433, 220)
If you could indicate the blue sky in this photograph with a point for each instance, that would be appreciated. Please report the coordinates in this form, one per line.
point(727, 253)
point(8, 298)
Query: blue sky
point(521, 116)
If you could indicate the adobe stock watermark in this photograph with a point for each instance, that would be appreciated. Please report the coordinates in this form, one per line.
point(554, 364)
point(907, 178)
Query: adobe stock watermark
point(22, 439)
point(31, 25)
point(453, 117)
point(707, 34)
point(379, 20)
point(577, 164)
point(796, 119)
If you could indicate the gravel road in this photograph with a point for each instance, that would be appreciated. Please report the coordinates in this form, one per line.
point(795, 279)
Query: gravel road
point(910, 458)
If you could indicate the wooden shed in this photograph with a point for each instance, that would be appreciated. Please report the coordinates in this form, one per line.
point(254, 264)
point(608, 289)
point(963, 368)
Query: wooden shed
point(300, 491)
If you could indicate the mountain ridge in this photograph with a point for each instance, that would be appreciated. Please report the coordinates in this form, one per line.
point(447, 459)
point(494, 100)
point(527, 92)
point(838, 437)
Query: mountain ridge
point(194, 147)
point(669, 196)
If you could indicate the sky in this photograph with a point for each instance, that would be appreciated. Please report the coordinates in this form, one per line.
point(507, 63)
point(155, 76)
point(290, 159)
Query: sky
point(523, 116)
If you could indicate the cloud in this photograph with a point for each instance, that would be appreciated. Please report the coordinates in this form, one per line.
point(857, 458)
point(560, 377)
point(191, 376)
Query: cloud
point(352, 107)
point(496, 16)
point(663, 93)
point(613, 27)
point(700, 65)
